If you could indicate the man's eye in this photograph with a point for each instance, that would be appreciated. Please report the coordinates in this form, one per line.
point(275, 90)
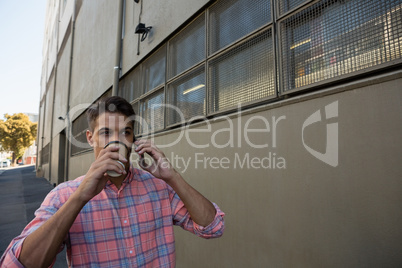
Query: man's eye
point(127, 132)
point(105, 132)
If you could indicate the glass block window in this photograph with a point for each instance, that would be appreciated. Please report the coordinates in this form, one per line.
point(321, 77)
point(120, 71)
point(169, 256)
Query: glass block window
point(244, 74)
point(287, 5)
point(152, 111)
point(79, 141)
point(130, 87)
point(187, 48)
point(186, 97)
point(334, 38)
point(231, 20)
point(153, 70)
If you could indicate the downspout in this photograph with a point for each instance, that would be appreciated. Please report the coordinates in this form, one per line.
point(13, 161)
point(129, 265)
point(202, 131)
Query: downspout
point(56, 62)
point(43, 130)
point(116, 68)
point(69, 130)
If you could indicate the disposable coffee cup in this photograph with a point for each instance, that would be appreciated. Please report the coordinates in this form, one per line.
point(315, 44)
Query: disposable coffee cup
point(123, 150)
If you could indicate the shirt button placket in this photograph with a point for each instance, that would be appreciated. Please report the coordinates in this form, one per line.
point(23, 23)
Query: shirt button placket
point(125, 223)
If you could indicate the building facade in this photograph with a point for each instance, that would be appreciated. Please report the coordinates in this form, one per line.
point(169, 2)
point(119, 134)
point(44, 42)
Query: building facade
point(287, 113)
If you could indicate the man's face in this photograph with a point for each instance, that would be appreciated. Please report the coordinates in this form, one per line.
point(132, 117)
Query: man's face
point(110, 127)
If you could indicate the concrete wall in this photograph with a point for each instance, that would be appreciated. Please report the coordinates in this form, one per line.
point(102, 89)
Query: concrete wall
point(94, 39)
point(305, 213)
point(40, 131)
point(50, 42)
point(47, 123)
point(60, 98)
point(65, 20)
point(80, 164)
point(54, 163)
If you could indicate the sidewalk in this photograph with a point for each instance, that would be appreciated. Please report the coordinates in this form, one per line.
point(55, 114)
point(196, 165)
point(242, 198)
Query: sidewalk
point(21, 194)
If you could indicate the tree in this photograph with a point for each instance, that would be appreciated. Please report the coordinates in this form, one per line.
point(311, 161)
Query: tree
point(17, 133)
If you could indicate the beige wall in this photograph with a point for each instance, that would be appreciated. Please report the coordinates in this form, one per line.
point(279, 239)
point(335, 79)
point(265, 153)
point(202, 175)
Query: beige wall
point(308, 214)
point(80, 164)
point(54, 163)
point(52, 50)
point(40, 132)
point(94, 38)
point(60, 98)
point(65, 20)
point(47, 123)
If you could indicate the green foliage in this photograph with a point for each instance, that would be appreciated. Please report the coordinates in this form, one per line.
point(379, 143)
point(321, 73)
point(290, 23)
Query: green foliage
point(17, 133)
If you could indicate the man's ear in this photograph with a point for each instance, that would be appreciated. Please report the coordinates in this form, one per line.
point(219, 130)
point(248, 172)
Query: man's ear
point(90, 138)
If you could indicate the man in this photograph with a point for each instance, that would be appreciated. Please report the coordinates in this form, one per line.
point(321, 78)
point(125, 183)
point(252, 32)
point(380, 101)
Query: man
point(123, 221)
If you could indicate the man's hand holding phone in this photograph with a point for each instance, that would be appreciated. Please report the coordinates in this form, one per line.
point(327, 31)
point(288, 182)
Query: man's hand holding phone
point(160, 166)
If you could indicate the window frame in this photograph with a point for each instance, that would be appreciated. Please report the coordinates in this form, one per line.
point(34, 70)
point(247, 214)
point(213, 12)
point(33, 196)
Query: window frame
point(324, 82)
point(275, 25)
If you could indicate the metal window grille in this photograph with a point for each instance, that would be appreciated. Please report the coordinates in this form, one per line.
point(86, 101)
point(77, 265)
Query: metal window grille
point(130, 87)
point(318, 42)
point(186, 97)
point(334, 38)
point(187, 48)
point(231, 20)
point(79, 142)
point(243, 74)
point(287, 5)
point(153, 70)
point(152, 112)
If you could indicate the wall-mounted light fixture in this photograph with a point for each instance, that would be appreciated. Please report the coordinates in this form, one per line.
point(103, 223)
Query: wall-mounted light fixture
point(61, 118)
point(142, 29)
point(136, 1)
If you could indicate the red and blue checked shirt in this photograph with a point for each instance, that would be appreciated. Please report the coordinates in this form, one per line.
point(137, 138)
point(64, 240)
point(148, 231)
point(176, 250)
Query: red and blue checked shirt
point(127, 227)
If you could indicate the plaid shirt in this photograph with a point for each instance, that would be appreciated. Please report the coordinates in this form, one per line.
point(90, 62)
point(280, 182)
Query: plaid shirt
point(127, 227)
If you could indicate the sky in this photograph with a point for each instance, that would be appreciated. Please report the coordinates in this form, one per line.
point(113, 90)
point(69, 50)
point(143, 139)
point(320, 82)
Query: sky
point(22, 26)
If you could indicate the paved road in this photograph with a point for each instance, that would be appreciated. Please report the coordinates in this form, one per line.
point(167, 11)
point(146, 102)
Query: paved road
point(21, 193)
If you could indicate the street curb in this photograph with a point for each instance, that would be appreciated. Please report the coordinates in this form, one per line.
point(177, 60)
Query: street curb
point(17, 167)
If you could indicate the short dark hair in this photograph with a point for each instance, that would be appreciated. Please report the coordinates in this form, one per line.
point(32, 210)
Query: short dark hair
point(113, 104)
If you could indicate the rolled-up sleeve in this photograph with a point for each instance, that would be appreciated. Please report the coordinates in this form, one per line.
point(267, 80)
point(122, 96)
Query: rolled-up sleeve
point(182, 218)
point(214, 229)
point(10, 256)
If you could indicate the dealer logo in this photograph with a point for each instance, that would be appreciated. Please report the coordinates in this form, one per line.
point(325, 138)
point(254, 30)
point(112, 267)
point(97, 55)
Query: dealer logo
point(330, 156)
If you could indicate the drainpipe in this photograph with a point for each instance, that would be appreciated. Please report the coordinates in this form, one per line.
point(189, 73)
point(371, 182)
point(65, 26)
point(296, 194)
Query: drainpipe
point(69, 129)
point(56, 62)
point(116, 69)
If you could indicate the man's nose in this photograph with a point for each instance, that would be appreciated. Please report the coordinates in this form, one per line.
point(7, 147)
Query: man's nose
point(115, 137)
